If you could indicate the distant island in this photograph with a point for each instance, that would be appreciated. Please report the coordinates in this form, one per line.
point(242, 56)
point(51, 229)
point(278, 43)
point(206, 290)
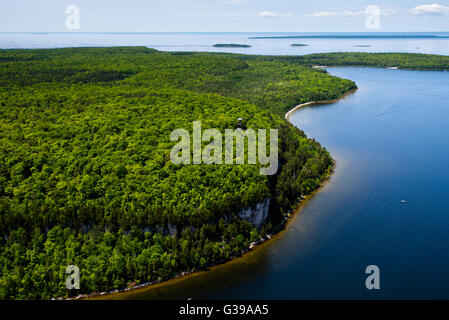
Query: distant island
point(298, 45)
point(361, 45)
point(231, 45)
point(353, 36)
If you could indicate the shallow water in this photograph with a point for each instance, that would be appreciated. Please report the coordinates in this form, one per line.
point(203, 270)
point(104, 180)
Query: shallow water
point(357, 219)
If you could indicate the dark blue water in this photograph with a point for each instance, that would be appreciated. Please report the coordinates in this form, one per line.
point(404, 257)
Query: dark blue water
point(401, 154)
point(358, 219)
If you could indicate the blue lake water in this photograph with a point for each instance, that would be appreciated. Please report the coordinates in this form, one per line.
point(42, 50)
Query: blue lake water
point(438, 43)
point(358, 219)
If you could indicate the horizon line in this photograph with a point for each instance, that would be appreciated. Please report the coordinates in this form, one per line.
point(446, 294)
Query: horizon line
point(187, 32)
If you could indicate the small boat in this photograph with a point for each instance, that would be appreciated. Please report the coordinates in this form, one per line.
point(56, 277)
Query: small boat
point(379, 114)
point(403, 201)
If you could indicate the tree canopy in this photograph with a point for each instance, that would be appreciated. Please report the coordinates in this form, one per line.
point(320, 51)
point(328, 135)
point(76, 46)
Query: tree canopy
point(85, 176)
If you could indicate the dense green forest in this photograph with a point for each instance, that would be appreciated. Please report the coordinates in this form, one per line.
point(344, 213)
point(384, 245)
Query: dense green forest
point(413, 61)
point(85, 175)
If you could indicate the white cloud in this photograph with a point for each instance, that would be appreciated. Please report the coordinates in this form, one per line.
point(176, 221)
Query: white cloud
point(323, 14)
point(430, 10)
point(192, 14)
point(268, 14)
point(333, 14)
point(330, 14)
point(387, 12)
point(353, 13)
point(233, 1)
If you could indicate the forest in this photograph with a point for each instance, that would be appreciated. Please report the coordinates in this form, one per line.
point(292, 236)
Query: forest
point(231, 45)
point(85, 176)
point(85, 173)
point(413, 61)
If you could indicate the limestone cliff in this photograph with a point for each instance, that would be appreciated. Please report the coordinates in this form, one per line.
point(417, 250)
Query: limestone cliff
point(256, 215)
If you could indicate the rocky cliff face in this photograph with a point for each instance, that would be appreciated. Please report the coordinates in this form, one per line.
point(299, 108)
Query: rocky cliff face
point(256, 215)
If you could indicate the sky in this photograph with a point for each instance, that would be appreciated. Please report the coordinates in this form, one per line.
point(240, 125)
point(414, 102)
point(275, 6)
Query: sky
point(222, 15)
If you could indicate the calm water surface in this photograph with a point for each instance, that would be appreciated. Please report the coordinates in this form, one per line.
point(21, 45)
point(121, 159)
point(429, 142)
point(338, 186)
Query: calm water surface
point(413, 42)
point(358, 219)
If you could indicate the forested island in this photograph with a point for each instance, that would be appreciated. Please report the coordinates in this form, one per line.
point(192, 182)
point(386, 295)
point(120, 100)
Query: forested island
point(299, 45)
point(85, 173)
point(415, 61)
point(231, 45)
point(352, 36)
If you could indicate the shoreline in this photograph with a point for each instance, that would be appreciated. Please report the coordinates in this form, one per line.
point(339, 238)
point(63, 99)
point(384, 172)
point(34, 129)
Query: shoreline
point(311, 103)
point(281, 228)
point(269, 239)
point(286, 222)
